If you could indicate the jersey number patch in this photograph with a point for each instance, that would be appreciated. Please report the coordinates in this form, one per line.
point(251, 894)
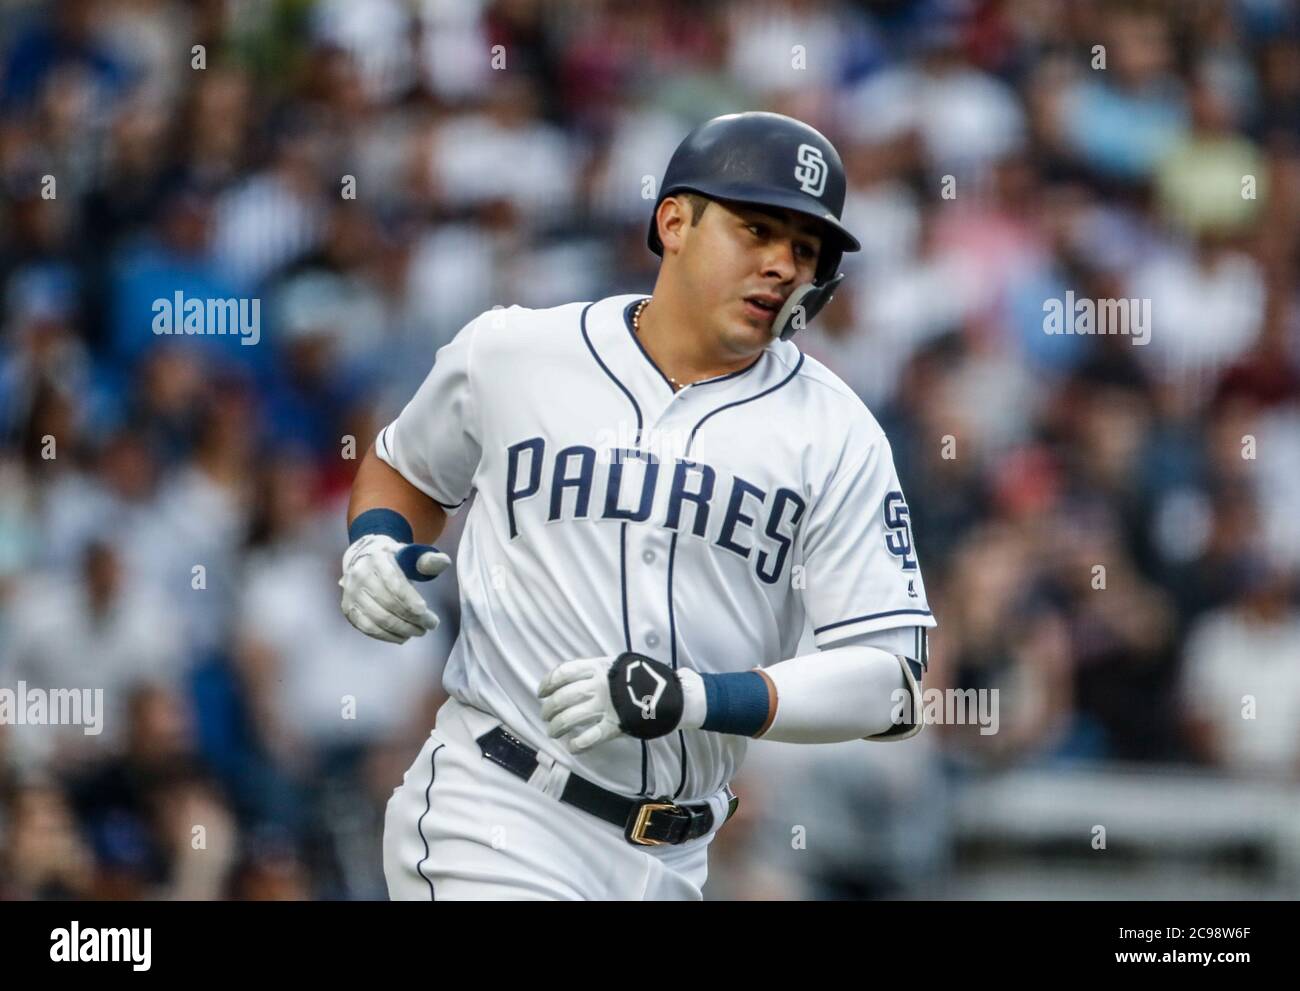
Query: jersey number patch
point(898, 530)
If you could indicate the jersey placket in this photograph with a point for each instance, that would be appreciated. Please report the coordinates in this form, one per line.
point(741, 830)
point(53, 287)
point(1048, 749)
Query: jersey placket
point(648, 544)
point(647, 553)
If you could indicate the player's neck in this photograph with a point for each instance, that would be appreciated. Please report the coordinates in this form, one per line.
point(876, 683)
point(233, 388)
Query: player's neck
point(682, 351)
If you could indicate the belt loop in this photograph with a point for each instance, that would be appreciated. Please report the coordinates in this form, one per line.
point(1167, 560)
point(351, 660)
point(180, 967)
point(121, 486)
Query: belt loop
point(550, 776)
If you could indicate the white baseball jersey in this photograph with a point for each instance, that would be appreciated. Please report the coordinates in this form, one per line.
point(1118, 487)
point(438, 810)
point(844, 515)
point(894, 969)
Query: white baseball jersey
point(704, 527)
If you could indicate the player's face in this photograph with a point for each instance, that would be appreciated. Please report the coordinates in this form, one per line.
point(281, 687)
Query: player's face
point(745, 261)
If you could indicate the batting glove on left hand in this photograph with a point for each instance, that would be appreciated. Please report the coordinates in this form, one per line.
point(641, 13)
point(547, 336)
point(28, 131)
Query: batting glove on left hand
point(599, 698)
point(378, 597)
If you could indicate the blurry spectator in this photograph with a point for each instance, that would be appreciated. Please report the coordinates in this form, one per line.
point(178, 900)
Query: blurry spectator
point(139, 36)
point(174, 259)
point(844, 822)
point(1202, 183)
point(60, 47)
point(476, 157)
point(965, 119)
point(40, 352)
point(1206, 305)
point(1241, 689)
point(1000, 634)
point(269, 870)
point(274, 217)
point(761, 56)
point(314, 385)
point(377, 34)
point(42, 855)
point(454, 39)
point(95, 632)
point(158, 826)
point(1127, 111)
point(1121, 631)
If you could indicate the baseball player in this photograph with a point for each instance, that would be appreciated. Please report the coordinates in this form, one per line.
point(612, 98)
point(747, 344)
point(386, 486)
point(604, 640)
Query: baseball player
point(666, 493)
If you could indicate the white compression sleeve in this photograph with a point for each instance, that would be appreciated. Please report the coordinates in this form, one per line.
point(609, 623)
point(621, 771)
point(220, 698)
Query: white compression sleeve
point(845, 693)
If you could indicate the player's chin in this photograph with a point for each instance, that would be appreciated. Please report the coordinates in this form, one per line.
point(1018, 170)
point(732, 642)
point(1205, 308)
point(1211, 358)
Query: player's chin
point(751, 326)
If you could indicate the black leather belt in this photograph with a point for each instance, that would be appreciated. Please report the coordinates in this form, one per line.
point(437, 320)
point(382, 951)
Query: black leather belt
point(645, 821)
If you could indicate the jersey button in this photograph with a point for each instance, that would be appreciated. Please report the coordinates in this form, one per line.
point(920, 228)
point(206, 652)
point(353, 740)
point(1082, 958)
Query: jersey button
point(652, 639)
point(648, 557)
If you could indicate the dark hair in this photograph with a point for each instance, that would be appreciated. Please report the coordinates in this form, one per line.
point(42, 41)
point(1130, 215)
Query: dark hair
point(698, 205)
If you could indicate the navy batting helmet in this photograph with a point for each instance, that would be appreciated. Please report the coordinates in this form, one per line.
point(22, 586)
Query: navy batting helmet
point(769, 160)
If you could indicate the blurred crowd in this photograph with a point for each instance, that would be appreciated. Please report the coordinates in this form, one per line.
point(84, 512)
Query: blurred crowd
point(1109, 529)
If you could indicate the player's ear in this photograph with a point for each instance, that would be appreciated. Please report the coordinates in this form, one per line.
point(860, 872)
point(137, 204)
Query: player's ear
point(673, 217)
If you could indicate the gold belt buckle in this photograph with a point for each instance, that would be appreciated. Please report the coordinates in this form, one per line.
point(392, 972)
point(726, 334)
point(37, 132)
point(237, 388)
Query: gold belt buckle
point(637, 833)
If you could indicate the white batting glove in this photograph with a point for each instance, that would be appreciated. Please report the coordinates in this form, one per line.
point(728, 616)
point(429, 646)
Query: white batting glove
point(576, 700)
point(378, 597)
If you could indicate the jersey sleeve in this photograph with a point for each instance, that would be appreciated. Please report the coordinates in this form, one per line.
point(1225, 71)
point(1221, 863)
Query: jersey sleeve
point(436, 441)
point(862, 574)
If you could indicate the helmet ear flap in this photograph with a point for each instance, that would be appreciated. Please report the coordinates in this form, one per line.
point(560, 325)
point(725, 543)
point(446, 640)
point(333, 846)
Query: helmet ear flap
point(802, 305)
point(828, 265)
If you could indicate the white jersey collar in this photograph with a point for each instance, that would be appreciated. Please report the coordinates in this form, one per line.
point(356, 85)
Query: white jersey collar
point(608, 331)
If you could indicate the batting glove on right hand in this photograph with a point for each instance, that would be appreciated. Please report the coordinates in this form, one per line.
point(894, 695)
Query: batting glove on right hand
point(378, 597)
point(597, 698)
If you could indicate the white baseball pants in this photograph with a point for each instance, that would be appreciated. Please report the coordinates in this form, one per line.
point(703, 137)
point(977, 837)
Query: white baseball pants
point(462, 828)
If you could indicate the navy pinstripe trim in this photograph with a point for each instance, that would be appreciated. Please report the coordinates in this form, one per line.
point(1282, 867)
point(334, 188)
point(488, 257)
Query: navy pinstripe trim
point(627, 631)
point(605, 368)
point(627, 321)
point(681, 744)
point(740, 402)
point(730, 375)
point(874, 615)
point(672, 639)
point(672, 617)
point(419, 825)
point(622, 581)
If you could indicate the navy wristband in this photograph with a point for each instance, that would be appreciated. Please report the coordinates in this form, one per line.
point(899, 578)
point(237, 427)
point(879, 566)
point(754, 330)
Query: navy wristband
point(387, 522)
point(735, 703)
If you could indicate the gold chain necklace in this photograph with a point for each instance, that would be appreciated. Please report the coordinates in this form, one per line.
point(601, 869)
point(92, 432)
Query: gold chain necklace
point(636, 329)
